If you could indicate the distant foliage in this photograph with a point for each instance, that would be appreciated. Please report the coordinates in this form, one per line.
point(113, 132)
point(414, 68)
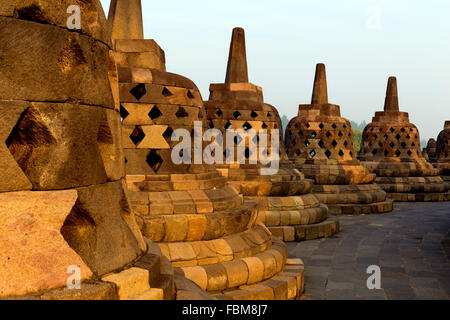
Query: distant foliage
point(284, 123)
point(358, 126)
point(357, 137)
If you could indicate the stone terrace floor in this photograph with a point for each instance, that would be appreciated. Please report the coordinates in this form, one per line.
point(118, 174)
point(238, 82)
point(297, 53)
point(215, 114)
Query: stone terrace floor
point(411, 245)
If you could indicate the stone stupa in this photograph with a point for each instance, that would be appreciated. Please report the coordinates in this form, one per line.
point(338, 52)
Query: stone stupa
point(201, 223)
point(63, 197)
point(286, 204)
point(429, 152)
point(390, 148)
point(442, 155)
point(320, 143)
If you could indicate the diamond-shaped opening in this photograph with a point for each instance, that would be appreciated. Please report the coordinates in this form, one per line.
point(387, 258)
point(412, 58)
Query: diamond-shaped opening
point(237, 139)
point(168, 133)
point(345, 143)
point(380, 144)
point(392, 130)
point(328, 134)
point(264, 125)
point(398, 153)
point(307, 143)
point(386, 152)
point(139, 91)
point(190, 95)
point(301, 133)
point(402, 129)
point(328, 153)
point(413, 144)
point(236, 115)
point(154, 161)
point(408, 136)
point(386, 137)
point(334, 126)
point(219, 113)
point(321, 144)
point(370, 144)
point(253, 114)
point(255, 139)
point(154, 113)
point(123, 112)
point(321, 126)
point(341, 153)
point(403, 145)
point(268, 114)
point(166, 92)
point(313, 135)
point(312, 153)
point(334, 143)
point(340, 134)
point(226, 153)
point(410, 129)
point(375, 136)
point(182, 113)
point(345, 126)
point(351, 153)
point(298, 152)
point(392, 144)
point(371, 129)
point(296, 126)
point(349, 134)
point(374, 151)
point(227, 125)
point(247, 126)
point(137, 135)
point(397, 137)
point(308, 125)
point(409, 152)
point(294, 142)
point(211, 124)
point(126, 160)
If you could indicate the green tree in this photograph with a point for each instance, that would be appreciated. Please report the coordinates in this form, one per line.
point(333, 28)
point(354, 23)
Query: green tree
point(357, 137)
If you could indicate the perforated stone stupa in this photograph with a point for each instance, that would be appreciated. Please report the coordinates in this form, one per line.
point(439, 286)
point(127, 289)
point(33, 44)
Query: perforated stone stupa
point(286, 204)
point(429, 152)
point(390, 148)
point(201, 223)
point(442, 155)
point(63, 198)
point(320, 143)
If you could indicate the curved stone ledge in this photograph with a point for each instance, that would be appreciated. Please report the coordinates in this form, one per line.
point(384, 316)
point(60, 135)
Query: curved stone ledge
point(356, 209)
point(419, 197)
point(236, 246)
point(241, 271)
point(297, 217)
point(323, 229)
point(196, 227)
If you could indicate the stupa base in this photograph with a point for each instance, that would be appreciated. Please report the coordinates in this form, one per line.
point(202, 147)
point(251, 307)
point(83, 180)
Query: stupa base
point(244, 277)
point(295, 233)
point(287, 285)
point(353, 199)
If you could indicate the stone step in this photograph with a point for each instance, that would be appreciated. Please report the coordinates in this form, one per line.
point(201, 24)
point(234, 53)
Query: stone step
point(356, 209)
point(419, 197)
point(323, 229)
point(286, 285)
point(297, 217)
point(236, 246)
point(238, 272)
point(130, 283)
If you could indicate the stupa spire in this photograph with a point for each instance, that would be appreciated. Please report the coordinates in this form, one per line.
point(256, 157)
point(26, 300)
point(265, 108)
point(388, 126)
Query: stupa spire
point(237, 60)
point(125, 19)
point(320, 91)
point(391, 102)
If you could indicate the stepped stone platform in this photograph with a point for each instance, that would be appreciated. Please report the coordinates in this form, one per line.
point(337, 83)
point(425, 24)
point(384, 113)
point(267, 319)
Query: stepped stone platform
point(238, 104)
point(63, 197)
point(390, 148)
point(199, 221)
point(320, 144)
point(443, 154)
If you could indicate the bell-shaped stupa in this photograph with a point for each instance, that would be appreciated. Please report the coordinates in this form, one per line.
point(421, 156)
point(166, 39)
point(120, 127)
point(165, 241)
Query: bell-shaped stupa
point(390, 148)
point(320, 143)
point(201, 223)
point(429, 152)
point(286, 204)
point(442, 155)
point(65, 215)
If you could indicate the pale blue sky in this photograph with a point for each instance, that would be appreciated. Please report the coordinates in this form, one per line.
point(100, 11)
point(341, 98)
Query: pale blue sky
point(285, 40)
